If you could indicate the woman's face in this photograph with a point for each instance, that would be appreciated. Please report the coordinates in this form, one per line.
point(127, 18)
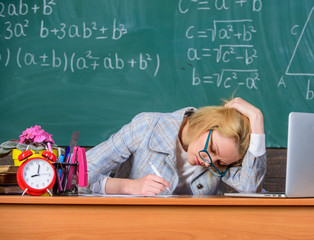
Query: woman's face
point(222, 150)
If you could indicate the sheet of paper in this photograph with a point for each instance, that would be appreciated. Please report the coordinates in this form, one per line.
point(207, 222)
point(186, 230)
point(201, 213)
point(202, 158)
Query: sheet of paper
point(121, 196)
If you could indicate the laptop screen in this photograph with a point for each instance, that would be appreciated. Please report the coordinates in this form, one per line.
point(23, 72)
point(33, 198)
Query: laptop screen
point(300, 155)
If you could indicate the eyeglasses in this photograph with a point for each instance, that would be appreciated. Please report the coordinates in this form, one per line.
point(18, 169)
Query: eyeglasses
point(212, 168)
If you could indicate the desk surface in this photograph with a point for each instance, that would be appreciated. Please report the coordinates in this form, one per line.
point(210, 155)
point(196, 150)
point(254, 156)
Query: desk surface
point(184, 217)
point(165, 201)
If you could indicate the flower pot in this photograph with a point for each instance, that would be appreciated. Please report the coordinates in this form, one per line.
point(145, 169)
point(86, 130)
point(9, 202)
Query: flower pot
point(16, 153)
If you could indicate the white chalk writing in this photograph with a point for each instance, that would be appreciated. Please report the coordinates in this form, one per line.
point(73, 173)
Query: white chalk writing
point(17, 23)
point(227, 43)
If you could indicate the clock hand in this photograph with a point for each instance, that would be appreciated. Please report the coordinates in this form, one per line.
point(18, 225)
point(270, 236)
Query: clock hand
point(44, 173)
point(37, 174)
point(38, 169)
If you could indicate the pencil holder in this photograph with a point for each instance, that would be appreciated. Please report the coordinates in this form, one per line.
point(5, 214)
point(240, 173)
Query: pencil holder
point(72, 173)
point(66, 179)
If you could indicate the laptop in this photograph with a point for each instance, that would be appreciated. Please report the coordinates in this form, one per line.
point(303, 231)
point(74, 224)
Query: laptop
point(300, 159)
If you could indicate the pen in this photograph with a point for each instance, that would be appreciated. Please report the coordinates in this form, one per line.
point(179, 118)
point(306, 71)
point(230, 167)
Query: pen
point(67, 151)
point(157, 173)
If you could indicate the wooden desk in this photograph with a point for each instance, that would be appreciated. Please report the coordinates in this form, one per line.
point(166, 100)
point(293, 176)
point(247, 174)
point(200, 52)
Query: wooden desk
point(190, 217)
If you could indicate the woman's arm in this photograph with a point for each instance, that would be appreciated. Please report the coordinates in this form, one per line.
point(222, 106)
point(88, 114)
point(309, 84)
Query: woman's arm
point(254, 162)
point(117, 149)
point(248, 177)
point(254, 115)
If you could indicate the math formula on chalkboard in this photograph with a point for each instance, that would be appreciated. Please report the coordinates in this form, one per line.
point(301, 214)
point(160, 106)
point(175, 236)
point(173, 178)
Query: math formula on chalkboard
point(93, 65)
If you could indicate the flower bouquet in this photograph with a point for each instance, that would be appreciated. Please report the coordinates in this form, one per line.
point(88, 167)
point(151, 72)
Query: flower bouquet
point(34, 139)
point(36, 136)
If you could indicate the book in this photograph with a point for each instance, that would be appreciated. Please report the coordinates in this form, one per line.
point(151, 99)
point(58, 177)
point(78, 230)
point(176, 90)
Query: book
point(8, 179)
point(8, 182)
point(14, 189)
point(8, 169)
point(8, 174)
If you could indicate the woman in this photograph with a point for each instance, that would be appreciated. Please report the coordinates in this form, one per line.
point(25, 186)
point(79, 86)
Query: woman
point(192, 151)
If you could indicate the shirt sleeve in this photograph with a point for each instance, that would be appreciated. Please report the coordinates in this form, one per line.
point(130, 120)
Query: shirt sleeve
point(110, 154)
point(249, 176)
point(257, 144)
point(99, 186)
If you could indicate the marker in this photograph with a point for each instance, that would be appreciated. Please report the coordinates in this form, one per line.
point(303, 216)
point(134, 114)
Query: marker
point(61, 160)
point(157, 173)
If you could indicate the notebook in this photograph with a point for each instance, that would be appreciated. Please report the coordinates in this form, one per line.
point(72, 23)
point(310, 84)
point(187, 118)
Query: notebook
point(300, 159)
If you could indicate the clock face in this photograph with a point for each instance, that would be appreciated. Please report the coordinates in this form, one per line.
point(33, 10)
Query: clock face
point(38, 173)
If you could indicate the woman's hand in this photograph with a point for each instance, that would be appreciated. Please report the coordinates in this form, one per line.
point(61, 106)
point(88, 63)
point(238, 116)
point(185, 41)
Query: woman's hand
point(254, 115)
point(148, 185)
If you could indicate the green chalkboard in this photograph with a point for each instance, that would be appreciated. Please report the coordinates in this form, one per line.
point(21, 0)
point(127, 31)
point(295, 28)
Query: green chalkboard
point(90, 66)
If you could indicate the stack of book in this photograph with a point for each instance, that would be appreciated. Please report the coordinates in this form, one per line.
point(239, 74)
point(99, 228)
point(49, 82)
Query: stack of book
point(8, 182)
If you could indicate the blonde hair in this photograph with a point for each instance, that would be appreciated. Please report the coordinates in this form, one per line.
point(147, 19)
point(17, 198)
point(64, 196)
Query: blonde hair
point(226, 121)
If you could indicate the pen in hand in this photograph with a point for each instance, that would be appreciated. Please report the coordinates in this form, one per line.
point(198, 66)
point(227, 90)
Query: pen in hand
point(157, 173)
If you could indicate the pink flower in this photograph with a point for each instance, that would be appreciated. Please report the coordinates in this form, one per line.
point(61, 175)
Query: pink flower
point(35, 135)
point(49, 138)
point(39, 138)
point(22, 138)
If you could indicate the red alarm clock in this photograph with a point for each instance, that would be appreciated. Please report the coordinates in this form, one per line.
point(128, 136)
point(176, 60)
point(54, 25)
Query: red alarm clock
point(36, 175)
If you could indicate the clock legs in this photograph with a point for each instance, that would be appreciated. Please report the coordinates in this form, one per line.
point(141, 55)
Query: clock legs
point(49, 192)
point(24, 191)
